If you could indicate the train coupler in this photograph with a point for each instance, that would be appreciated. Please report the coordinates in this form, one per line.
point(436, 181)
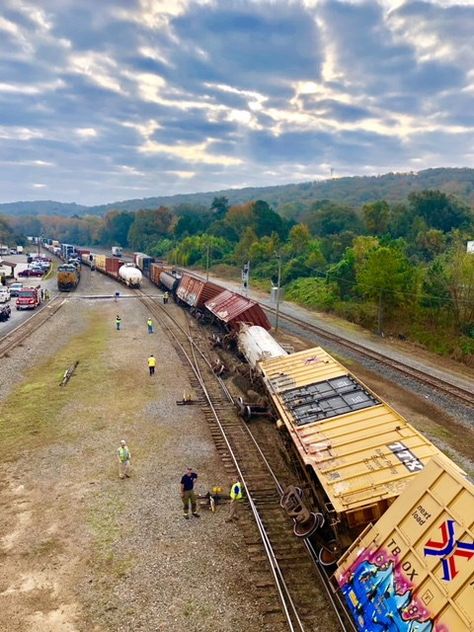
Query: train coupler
point(306, 522)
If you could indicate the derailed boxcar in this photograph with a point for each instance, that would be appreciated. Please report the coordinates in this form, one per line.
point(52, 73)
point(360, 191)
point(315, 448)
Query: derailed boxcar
point(414, 570)
point(194, 292)
point(356, 452)
point(232, 310)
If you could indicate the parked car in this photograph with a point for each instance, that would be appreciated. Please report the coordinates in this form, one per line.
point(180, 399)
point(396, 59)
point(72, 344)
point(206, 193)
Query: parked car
point(15, 288)
point(5, 312)
point(4, 294)
point(31, 272)
point(28, 298)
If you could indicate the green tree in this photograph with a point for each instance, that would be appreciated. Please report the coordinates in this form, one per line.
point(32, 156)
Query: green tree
point(439, 210)
point(376, 217)
point(219, 207)
point(150, 226)
point(116, 226)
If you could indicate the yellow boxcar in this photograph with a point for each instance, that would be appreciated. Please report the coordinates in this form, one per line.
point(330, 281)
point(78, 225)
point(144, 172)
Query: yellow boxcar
point(358, 454)
point(414, 570)
point(100, 262)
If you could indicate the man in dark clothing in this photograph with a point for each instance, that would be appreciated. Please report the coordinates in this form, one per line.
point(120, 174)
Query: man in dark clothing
point(187, 492)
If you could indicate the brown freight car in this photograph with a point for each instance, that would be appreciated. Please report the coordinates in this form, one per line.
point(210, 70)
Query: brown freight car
point(232, 310)
point(194, 292)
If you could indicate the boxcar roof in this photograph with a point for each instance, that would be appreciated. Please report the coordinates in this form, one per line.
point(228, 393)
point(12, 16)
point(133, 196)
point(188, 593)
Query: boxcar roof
point(420, 548)
point(361, 450)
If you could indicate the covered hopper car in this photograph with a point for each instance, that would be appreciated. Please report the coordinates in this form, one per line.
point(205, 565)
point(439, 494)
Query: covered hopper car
point(413, 571)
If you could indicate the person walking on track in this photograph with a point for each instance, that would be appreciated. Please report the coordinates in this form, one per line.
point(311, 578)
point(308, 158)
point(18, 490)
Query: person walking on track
point(149, 324)
point(187, 492)
point(118, 322)
point(152, 364)
point(165, 298)
point(124, 456)
point(235, 500)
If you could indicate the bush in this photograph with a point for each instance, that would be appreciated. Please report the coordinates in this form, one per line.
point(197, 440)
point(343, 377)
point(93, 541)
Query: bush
point(312, 293)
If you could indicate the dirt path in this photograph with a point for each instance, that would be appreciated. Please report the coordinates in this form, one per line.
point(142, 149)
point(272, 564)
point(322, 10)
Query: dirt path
point(80, 549)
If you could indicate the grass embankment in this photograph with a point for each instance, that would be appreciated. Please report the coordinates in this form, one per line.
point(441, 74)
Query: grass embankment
point(83, 421)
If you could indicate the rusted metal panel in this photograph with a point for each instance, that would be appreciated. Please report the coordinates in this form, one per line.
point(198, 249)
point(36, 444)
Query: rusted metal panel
point(234, 309)
point(362, 452)
point(414, 570)
point(195, 292)
point(112, 265)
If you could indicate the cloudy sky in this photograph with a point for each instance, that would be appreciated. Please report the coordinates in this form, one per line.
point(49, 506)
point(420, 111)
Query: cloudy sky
point(104, 100)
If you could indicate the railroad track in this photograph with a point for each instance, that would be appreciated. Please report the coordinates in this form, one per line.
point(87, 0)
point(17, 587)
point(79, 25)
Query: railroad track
point(39, 317)
point(295, 595)
point(464, 395)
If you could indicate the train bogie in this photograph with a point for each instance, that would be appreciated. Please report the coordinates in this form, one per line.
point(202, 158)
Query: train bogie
point(413, 570)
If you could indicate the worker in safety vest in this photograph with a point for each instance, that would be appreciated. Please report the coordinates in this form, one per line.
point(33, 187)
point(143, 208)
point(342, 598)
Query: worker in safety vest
point(149, 324)
point(165, 297)
point(235, 500)
point(118, 322)
point(151, 364)
point(124, 456)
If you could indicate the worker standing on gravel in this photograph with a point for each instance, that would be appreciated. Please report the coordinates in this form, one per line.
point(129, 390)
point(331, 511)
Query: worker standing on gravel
point(235, 500)
point(118, 322)
point(149, 324)
point(124, 457)
point(151, 364)
point(187, 492)
point(165, 298)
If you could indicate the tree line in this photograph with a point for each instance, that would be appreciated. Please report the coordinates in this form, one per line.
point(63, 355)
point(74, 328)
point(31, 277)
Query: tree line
point(400, 269)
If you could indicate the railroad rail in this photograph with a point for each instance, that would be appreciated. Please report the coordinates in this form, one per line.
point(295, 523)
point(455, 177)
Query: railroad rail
point(302, 589)
point(39, 317)
point(464, 395)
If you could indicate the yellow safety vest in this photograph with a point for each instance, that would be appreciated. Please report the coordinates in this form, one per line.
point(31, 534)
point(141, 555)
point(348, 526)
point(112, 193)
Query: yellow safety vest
point(124, 454)
point(151, 361)
point(236, 491)
point(149, 322)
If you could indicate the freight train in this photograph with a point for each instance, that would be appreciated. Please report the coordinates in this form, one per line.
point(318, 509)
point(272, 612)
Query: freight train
point(389, 514)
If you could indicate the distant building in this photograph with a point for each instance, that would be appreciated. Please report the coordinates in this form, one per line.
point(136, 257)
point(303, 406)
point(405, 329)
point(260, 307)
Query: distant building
point(470, 247)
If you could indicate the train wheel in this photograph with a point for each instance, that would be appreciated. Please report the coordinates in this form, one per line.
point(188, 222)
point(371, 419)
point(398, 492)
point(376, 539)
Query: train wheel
point(307, 528)
point(327, 557)
point(299, 493)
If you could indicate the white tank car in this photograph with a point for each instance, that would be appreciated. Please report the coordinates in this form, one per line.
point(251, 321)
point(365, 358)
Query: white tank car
point(256, 343)
point(130, 275)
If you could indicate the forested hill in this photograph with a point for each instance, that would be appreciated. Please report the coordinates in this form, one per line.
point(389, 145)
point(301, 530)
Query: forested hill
point(353, 191)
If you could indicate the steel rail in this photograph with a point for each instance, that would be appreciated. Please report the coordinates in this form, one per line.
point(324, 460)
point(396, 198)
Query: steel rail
point(464, 395)
point(448, 388)
point(280, 584)
point(276, 569)
point(15, 336)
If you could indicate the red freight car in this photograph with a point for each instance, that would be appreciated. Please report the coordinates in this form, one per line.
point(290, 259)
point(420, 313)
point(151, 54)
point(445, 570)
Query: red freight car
point(195, 292)
point(232, 310)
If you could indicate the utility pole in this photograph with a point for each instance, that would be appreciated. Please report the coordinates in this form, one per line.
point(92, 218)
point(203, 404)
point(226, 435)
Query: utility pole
point(379, 325)
point(277, 313)
point(207, 262)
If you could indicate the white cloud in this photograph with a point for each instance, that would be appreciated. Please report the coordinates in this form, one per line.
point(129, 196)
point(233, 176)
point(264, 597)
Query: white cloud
point(86, 132)
point(192, 153)
point(38, 186)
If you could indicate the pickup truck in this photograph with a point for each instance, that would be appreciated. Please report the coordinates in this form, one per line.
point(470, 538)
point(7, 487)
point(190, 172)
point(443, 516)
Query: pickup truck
point(28, 298)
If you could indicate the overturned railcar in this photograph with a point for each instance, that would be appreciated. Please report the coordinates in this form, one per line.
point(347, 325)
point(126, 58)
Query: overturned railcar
point(414, 569)
point(231, 310)
point(356, 453)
